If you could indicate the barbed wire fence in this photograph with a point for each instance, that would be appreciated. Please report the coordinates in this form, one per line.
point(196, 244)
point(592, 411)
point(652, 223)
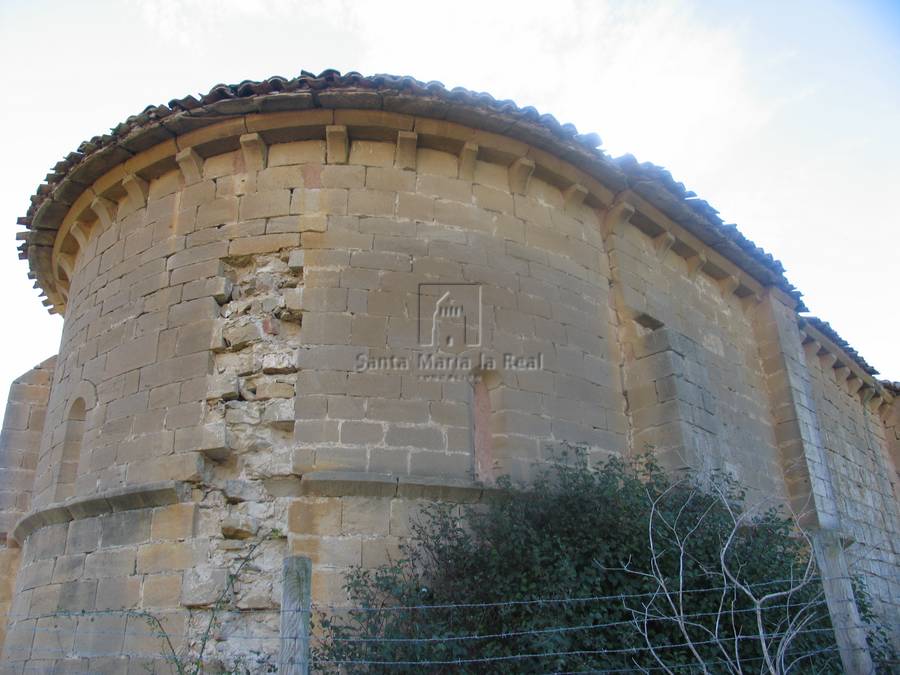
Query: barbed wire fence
point(299, 646)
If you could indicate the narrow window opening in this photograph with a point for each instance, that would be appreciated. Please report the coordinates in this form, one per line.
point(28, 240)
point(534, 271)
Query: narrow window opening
point(482, 433)
point(71, 452)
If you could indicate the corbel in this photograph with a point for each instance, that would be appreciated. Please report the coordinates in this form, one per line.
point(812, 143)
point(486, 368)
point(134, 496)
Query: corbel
point(751, 300)
point(105, 210)
point(663, 243)
point(810, 345)
point(728, 285)
point(696, 263)
point(520, 173)
point(876, 402)
point(853, 383)
point(66, 263)
point(137, 188)
point(616, 218)
point(467, 157)
point(574, 195)
point(80, 232)
point(190, 164)
point(405, 154)
point(337, 144)
point(866, 393)
point(827, 360)
point(255, 152)
point(841, 372)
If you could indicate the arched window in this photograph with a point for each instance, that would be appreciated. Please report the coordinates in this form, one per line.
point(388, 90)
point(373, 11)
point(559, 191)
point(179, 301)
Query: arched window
point(481, 420)
point(71, 452)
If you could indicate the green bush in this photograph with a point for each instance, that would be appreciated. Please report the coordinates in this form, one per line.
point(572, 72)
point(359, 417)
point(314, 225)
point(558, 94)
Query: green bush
point(581, 537)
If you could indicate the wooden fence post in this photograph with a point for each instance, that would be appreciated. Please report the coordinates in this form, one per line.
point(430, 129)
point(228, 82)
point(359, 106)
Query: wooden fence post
point(293, 658)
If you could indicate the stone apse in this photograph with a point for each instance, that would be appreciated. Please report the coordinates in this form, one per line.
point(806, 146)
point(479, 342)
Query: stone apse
point(295, 311)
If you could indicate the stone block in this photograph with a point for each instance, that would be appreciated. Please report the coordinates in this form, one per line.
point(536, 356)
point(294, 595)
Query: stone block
point(208, 253)
point(366, 515)
point(491, 199)
point(428, 438)
point(389, 461)
point(177, 521)
point(110, 563)
point(457, 465)
point(75, 596)
point(325, 328)
point(167, 556)
point(273, 389)
point(212, 440)
point(280, 177)
point(132, 355)
point(203, 586)
point(162, 590)
point(125, 527)
point(310, 407)
point(329, 552)
point(390, 179)
point(99, 635)
point(461, 215)
point(368, 330)
point(221, 211)
point(44, 600)
point(327, 201)
point(381, 260)
point(442, 488)
point(36, 574)
point(349, 176)
point(320, 516)
point(296, 260)
point(54, 637)
point(371, 153)
point(279, 413)
point(68, 568)
point(265, 204)
point(444, 187)
point(415, 206)
point(361, 433)
point(377, 552)
point(116, 593)
point(367, 202)
point(142, 640)
point(83, 536)
point(47, 542)
point(266, 243)
point(323, 299)
point(297, 152)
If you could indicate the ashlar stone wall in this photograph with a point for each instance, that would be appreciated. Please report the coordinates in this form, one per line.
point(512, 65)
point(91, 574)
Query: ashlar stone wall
point(864, 476)
point(285, 333)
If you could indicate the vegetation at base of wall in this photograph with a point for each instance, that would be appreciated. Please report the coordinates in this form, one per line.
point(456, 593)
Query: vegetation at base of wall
point(680, 576)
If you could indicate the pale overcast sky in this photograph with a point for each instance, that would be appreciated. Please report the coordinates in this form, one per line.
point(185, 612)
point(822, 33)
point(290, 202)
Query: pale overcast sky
point(784, 115)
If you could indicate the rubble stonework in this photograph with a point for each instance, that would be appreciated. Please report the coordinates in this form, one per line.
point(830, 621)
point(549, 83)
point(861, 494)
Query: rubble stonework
point(243, 374)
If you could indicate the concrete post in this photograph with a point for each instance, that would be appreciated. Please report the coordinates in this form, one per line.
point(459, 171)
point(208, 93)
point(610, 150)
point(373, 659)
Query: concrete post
point(293, 657)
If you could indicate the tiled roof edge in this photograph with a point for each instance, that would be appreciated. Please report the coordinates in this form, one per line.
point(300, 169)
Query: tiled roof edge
point(825, 329)
point(653, 183)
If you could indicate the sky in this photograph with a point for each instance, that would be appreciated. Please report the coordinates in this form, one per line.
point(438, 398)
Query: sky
point(784, 115)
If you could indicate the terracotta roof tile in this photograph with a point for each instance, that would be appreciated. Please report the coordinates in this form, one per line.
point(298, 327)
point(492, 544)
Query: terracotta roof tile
point(825, 329)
